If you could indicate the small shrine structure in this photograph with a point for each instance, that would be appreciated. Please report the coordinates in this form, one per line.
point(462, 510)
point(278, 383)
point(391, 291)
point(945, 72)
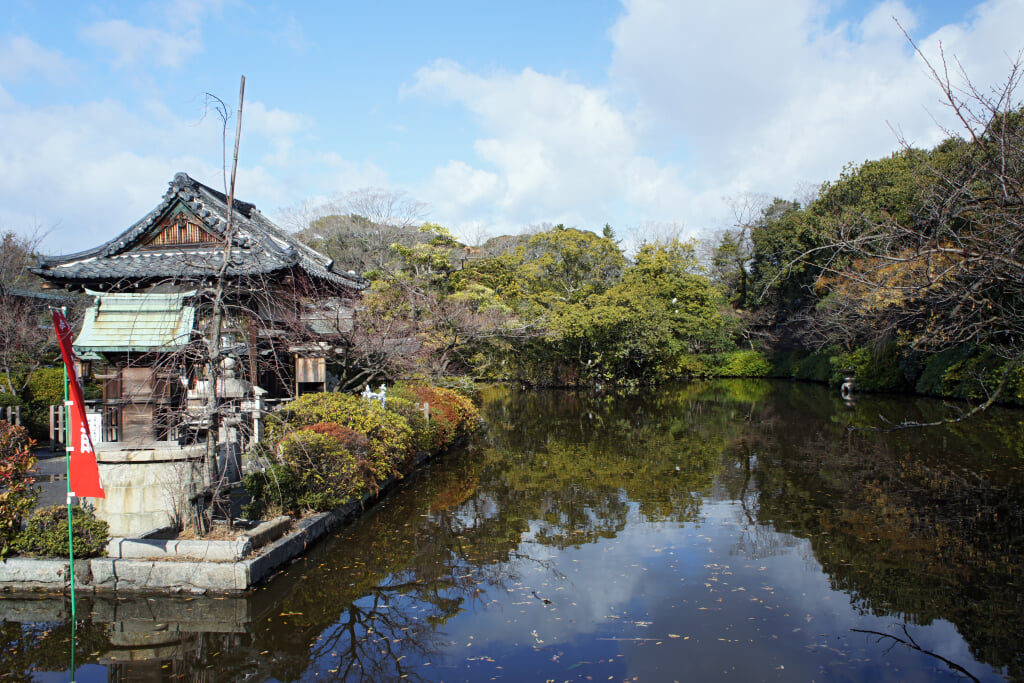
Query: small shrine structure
point(160, 290)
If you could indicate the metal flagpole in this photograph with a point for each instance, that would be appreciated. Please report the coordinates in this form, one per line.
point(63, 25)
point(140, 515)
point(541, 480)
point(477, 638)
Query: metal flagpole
point(68, 446)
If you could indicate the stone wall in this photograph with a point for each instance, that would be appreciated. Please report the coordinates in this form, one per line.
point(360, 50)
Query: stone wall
point(147, 488)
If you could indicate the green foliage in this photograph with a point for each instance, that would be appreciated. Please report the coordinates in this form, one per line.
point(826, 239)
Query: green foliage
point(274, 490)
point(451, 414)
point(779, 277)
point(970, 373)
point(729, 263)
point(333, 447)
point(18, 495)
point(931, 381)
point(567, 265)
point(813, 366)
point(389, 435)
point(748, 363)
point(637, 331)
point(887, 189)
point(695, 366)
point(327, 473)
point(875, 369)
point(8, 398)
point(422, 435)
point(463, 386)
point(45, 388)
point(46, 533)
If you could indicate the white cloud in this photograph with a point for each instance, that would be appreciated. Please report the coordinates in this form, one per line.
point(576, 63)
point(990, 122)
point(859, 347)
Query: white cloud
point(189, 12)
point(136, 46)
point(701, 102)
point(21, 57)
point(89, 171)
point(292, 36)
point(761, 97)
point(552, 147)
point(277, 126)
point(766, 96)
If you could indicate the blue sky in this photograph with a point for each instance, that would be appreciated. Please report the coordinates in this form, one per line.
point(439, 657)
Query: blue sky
point(645, 114)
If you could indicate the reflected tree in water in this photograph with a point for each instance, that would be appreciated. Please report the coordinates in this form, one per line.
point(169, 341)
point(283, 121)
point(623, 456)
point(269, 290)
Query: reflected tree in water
point(922, 527)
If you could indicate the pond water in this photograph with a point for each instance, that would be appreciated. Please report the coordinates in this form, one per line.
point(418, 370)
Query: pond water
point(729, 530)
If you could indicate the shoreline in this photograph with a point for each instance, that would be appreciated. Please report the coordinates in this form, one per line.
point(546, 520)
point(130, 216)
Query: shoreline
point(197, 567)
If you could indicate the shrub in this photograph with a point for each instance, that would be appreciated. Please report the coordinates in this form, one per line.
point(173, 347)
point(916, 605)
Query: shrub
point(45, 388)
point(933, 373)
point(353, 441)
point(274, 490)
point(46, 533)
point(692, 365)
point(874, 370)
point(747, 363)
point(451, 414)
point(389, 435)
point(462, 385)
point(422, 435)
point(18, 495)
point(815, 367)
point(975, 373)
point(328, 473)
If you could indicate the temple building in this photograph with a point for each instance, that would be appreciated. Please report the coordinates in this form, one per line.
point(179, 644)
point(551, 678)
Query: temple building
point(162, 290)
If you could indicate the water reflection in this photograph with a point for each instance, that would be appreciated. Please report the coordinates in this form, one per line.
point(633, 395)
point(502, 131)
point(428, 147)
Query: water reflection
point(725, 528)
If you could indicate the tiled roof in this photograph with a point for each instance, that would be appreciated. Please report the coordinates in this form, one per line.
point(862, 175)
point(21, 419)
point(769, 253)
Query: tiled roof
point(258, 246)
point(136, 322)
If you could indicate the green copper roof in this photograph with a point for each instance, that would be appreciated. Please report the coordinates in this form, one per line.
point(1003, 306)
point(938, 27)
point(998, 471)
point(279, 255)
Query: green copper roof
point(136, 322)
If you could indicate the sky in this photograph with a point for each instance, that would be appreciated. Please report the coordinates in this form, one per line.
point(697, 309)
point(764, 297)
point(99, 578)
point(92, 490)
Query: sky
point(644, 114)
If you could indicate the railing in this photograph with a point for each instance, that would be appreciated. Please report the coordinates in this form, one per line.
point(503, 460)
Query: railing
point(11, 414)
point(56, 427)
point(170, 421)
point(110, 430)
point(111, 421)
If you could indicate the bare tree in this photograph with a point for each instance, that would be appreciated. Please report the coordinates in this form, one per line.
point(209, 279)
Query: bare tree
point(656, 232)
point(731, 250)
point(953, 274)
point(23, 339)
point(358, 228)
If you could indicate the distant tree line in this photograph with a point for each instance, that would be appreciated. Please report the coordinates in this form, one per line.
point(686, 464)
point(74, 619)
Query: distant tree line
point(905, 270)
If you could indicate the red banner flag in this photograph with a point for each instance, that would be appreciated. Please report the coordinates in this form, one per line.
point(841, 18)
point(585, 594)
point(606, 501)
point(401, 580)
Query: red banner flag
point(83, 471)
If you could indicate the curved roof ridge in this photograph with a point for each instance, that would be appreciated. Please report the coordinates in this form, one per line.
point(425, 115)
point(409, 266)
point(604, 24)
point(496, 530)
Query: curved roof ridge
point(266, 247)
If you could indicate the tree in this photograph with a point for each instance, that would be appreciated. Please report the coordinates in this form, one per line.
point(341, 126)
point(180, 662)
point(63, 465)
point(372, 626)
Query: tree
point(428, 313)
point(782, 274)
point(24, 339)
point(950, 272)
point(566, 265)
point(729, 260)
point(640, 328)
point(358, 228)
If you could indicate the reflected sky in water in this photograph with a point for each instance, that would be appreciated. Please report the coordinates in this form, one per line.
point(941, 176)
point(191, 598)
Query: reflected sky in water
point(711, 531)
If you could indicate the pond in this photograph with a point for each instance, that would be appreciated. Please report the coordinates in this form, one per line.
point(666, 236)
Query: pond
point(727, 530)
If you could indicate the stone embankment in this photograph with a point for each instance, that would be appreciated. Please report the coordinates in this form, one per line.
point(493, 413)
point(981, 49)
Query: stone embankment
point(148, 563)
point(151, 564)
